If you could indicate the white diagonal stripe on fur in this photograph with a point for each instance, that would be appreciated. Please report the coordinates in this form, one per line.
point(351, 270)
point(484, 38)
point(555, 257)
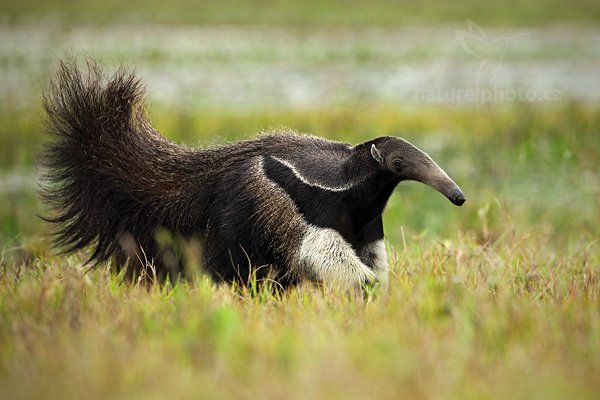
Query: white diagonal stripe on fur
point(307, 181)
point(325, 253)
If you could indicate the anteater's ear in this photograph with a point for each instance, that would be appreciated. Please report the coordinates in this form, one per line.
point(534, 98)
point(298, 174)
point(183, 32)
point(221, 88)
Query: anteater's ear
point(376, 154)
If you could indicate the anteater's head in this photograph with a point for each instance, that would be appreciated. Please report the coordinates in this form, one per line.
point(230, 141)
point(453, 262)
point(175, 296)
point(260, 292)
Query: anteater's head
point(409, 163)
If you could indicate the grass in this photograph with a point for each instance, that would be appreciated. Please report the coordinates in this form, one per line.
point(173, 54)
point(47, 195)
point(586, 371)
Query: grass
point(509, 319)
point(497, 299)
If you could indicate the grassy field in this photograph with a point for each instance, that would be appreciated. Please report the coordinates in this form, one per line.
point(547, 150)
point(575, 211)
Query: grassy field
point(497, 299)
point(510, 319)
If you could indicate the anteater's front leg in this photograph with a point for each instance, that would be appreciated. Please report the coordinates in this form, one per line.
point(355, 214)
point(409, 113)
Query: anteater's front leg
point(325, 256)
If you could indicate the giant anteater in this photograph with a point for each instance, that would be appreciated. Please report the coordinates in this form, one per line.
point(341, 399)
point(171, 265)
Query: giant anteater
point(305, 207)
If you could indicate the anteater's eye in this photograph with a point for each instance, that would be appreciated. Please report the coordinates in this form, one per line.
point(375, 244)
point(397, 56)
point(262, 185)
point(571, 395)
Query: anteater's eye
point(398, 163)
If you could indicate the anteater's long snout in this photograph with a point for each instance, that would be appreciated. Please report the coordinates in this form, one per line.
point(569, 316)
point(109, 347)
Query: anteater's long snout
point(432, 175)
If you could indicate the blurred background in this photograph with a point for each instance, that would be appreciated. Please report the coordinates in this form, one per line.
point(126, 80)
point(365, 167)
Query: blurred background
point(504, 95)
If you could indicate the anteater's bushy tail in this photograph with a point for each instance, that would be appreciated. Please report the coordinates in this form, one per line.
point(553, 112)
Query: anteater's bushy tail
point(109, 176)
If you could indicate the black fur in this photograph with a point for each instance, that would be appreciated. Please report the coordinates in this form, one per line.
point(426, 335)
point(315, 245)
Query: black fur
point(113, 181)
